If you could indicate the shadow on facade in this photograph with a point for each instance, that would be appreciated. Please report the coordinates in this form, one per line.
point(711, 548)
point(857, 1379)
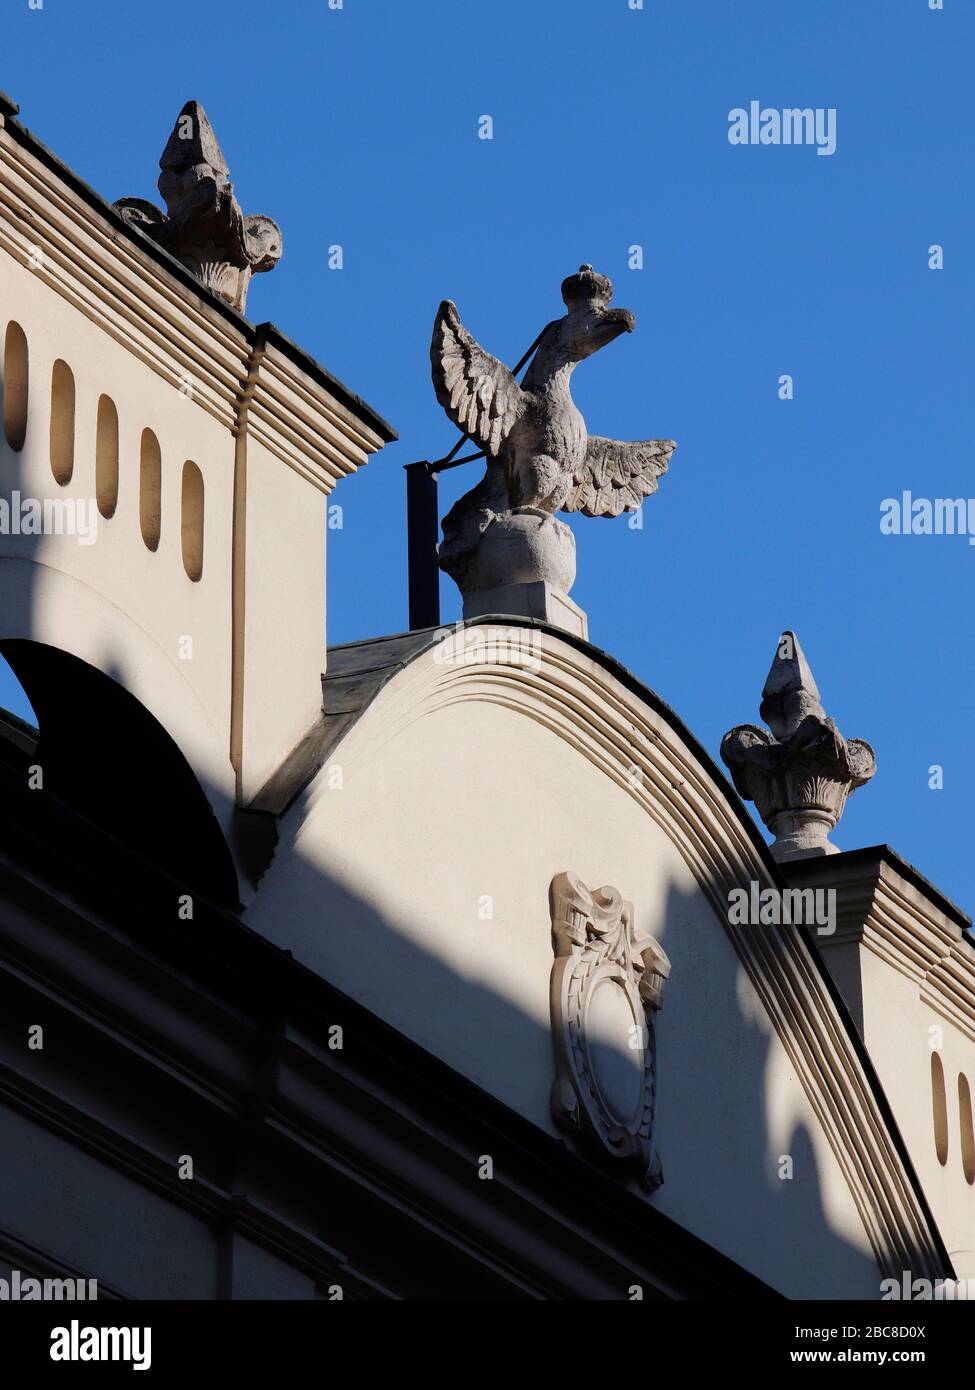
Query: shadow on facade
point(143, 1068)
point(101, 751)
point(298, 1148)
point(103, 754)
point(724, 1125)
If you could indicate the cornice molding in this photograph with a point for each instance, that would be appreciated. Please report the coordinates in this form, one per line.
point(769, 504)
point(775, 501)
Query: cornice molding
point(310, 431)
point(904, 923)
point(100, 272)
point(98, 266)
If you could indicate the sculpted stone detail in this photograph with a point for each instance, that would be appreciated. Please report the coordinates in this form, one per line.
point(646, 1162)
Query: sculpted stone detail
point(541, 458)
point(203, 225)
point(606, 983)
point(800, 774)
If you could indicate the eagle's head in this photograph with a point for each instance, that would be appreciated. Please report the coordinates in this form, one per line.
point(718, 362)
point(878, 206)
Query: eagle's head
point(590, 323)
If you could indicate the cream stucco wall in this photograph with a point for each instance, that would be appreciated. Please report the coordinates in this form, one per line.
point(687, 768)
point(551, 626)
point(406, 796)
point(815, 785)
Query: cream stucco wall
point(114, 603)
point(900, 1030)
point(284, 577)
point(415, 876)
point(261, 423)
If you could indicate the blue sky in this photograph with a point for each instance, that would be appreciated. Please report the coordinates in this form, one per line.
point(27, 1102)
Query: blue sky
point(359, 127)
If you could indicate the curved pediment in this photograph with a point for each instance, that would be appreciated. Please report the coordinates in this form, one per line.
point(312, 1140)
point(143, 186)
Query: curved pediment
point(460, 771)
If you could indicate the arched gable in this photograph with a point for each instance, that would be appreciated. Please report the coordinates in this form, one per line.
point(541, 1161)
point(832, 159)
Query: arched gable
point(458, 773)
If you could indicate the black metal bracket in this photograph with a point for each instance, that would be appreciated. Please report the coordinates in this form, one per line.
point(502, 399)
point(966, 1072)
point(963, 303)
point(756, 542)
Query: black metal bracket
point(423, 521)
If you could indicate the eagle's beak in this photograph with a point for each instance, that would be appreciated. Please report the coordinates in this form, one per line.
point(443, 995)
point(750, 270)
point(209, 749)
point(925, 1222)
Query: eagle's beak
point(623, 317)
point(611, 323)
point(591, 328)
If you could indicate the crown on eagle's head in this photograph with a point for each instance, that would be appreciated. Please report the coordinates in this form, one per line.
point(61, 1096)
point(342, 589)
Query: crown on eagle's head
point(586, 287)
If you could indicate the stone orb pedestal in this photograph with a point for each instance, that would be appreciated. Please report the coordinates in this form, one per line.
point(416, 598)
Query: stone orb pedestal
point(525, 566)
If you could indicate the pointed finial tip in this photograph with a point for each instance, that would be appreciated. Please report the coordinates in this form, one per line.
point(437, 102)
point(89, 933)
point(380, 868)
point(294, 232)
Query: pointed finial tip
point(193, 141)
point(790, 693)
point(790, 669)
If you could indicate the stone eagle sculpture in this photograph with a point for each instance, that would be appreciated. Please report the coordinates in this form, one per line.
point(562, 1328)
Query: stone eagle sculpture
point(540, 457)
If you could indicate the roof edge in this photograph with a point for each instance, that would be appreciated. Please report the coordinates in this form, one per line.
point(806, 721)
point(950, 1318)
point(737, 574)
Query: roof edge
point(250, 331)
point(883, 854)
point(426, 638)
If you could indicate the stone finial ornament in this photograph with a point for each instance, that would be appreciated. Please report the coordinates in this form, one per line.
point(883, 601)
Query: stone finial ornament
point(501, 542)
point(800, 774)
point(203, 225)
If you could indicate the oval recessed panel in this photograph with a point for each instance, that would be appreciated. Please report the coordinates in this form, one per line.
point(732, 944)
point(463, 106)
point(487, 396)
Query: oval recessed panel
point(14, 383)
point(617, 1067)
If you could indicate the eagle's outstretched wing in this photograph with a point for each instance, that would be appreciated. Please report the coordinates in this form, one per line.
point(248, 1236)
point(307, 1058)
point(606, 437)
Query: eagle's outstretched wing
point(615, 476)
point(476, 390)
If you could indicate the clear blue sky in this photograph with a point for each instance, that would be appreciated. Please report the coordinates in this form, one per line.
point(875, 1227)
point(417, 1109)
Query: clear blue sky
point(359, 127)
